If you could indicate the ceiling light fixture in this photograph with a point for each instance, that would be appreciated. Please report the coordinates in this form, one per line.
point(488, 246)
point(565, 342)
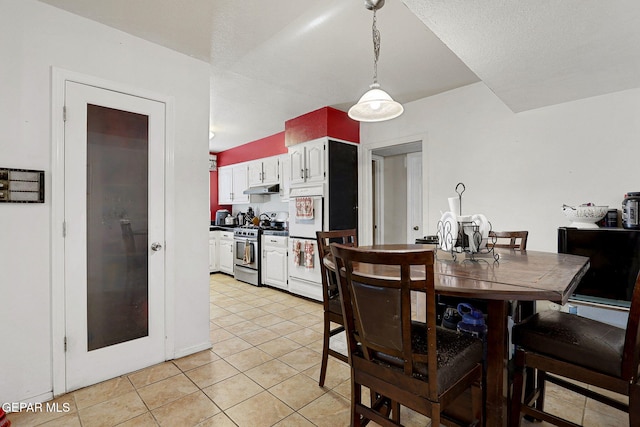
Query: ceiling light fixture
point(375, 105)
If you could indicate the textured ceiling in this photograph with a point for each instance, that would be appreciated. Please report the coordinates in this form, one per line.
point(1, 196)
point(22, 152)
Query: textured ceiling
point(271, 62)
point(544, 52)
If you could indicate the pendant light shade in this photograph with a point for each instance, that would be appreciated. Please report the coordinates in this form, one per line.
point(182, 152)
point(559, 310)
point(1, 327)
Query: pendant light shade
point(375, 105)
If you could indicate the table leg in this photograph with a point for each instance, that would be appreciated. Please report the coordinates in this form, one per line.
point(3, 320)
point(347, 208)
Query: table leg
point(496, 362)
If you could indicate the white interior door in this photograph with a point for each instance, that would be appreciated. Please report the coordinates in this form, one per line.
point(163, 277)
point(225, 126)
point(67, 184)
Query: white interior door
point(114, 238)
point(414, 197)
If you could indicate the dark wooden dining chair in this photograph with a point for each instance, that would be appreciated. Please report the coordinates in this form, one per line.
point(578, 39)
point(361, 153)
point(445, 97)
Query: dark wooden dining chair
point(330, 296)
point(402, 362)
point(558, 344)
point(516, 240)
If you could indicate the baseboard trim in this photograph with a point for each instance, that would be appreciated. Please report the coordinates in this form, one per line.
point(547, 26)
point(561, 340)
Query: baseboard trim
point(191, 350)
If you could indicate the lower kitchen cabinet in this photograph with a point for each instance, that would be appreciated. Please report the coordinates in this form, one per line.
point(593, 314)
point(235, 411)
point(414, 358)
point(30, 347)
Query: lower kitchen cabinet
point(274, 261)
point(226, 252)
point(214, 249)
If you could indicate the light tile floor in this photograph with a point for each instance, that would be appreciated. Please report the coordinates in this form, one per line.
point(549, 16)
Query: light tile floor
point(262, 370)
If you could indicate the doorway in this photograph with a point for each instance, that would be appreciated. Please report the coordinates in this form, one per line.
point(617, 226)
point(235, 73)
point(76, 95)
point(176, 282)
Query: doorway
point(397, 196)
point(112, 265)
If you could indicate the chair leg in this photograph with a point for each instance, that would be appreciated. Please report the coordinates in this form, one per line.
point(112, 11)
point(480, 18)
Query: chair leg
point(477, 403)
point(435, 414)
point(325, 351)
point(516, 393)
point(356, 399)
point(541, 382)
point(395, 411)
point(634, 404)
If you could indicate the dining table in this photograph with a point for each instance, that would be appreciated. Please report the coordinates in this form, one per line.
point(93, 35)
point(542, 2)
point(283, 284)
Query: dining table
point(514, 276)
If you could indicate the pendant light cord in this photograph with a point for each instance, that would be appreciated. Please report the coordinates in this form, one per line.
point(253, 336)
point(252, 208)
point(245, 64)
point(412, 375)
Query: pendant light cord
point(376, 47)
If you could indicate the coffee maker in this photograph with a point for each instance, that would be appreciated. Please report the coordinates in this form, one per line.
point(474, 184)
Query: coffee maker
point(221, 214)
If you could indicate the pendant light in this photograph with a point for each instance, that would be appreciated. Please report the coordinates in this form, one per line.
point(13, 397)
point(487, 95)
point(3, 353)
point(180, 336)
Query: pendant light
point(375, 105)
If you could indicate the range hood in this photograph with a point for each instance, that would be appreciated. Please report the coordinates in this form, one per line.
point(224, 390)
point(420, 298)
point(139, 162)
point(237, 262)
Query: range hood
point(264, 189)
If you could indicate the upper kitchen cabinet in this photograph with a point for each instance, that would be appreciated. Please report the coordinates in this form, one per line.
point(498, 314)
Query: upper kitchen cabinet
point(307, 161)
point(285, 177)
point(264, 171)
point(232, 181)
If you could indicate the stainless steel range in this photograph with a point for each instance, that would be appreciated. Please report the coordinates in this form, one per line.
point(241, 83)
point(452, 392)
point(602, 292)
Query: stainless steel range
point(248, 251)
point(247, 254)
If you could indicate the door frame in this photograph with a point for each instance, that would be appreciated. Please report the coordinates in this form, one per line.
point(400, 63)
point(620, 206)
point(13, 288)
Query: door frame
point(58, 311)
point(379, 200)
point(411, 202)
point(365, 186)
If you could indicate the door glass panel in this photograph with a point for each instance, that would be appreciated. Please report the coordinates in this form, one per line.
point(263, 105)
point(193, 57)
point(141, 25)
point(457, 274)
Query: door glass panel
point(117, 226)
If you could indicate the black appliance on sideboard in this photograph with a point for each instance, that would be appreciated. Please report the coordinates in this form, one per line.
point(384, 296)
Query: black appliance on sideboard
point(615, 261)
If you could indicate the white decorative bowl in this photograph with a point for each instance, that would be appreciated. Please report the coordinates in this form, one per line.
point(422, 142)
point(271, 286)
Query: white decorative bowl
point(585, 216)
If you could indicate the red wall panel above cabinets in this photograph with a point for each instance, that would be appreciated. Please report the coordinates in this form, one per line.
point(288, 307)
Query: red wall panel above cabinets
point(265, 147)
point(325, 121)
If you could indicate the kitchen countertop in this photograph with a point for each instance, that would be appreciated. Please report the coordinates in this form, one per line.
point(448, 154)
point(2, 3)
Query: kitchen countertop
point(222, 227)
point(231, 227)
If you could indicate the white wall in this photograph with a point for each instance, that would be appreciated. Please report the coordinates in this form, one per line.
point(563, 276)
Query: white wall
point(520, 168)
point(33, 38)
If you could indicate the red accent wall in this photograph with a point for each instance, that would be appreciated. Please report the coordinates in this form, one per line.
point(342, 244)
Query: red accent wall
point(325, 121)
point(265, 147)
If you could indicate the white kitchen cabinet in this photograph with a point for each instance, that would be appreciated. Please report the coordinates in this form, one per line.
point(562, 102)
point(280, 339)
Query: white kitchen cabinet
point(240, 183)
point(214, 249)
point(225, 185)
point(264, 171)
point(274, 261)
point(226, 252)
point(255, 173)
point(232, 181)
point(285, 178)
point(307, 162)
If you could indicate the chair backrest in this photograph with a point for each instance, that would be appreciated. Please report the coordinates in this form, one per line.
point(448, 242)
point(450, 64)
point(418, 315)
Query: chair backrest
point(631, 354)
point(376, 303)
point(325, 238)
point(517, 239)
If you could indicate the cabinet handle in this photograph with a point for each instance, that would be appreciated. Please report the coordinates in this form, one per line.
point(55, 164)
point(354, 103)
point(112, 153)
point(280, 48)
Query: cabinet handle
point(306, 173)
point(302, 173)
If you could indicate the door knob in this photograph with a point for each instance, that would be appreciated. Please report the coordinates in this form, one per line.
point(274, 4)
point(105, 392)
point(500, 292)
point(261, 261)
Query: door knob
point(416, 227)
point(155, 246)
